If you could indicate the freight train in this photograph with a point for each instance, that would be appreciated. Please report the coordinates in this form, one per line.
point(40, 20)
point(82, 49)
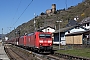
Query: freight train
point(37, 41)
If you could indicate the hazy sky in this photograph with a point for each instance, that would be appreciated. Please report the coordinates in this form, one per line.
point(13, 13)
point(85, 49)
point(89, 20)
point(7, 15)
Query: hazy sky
point(16, 12)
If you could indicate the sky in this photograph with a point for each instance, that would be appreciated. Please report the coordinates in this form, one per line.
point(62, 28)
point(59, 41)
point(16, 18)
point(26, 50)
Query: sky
point(16, 12)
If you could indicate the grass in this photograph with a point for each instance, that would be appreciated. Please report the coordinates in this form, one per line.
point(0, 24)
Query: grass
point(82, 52)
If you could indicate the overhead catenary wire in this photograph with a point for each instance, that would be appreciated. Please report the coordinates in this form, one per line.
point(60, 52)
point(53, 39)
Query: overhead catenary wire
point(16, 13)
point(17, 9)
point(23, 12)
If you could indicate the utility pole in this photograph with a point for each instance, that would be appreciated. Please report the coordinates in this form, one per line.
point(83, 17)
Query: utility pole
point(59, 33)
point(66, 3)
point(45, 24)
point(14, 32)
point(19, 33)
point(34, 23)
point(2, 36)
point(2, 31)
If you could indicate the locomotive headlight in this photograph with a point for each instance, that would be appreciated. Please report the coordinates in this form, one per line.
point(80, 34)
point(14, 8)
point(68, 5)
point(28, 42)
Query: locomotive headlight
point(49, 41)
point(40, 44)
point(41, 41)
point(50, 44)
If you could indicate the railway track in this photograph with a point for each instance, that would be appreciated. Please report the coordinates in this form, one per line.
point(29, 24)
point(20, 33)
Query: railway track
point(52, 57)
point(17, 53)
point(12, 55)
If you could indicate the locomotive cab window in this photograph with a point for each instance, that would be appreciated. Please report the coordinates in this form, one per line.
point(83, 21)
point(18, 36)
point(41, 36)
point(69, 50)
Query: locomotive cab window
point(48, 36)
point(45, 36)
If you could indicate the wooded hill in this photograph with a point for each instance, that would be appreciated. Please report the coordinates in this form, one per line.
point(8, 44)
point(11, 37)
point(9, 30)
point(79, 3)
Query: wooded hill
point(81, 10)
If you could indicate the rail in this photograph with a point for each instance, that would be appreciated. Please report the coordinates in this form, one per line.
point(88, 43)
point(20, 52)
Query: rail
point(66, 56)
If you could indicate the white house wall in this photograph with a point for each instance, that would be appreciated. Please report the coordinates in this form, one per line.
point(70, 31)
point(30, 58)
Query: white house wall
point(87, 27)
point(75, 30)
point(48, 30)
point(63, 42)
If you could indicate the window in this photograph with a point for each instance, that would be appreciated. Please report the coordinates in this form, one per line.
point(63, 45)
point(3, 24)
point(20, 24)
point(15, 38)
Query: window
point(68, 31)
point(48, 36)
point(45, 36)
point(76, 27)
point(87, 24)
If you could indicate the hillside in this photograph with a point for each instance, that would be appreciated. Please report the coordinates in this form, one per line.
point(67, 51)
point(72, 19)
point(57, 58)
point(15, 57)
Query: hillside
point(81, 11)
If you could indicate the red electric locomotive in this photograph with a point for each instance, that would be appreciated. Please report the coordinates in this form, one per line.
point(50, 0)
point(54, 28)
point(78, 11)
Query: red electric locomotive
point(22, 41)
point(37, 41)
point(40, 41)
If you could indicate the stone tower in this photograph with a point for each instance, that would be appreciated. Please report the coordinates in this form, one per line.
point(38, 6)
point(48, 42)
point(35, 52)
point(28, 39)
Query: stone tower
point(53, 8)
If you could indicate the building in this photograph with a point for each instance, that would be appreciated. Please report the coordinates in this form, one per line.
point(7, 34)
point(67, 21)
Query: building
point(53, 10)
point(85, 23)
point(78, 38)
point(82, 37)
point(48, 11)
point(65, 31)
point(71, 23)
point(47, 29)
